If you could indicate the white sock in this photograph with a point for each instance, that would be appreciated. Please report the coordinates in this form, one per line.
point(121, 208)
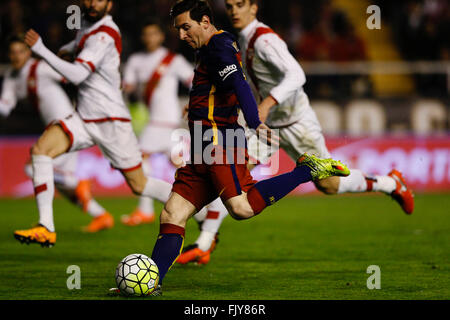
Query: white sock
point(44, 189)
point(94, 209)
point(355, 182)
point(201, 215)
point(157, 189)
point(384, 184)
point(216, 213)
point(205, 240)
point(145, 203)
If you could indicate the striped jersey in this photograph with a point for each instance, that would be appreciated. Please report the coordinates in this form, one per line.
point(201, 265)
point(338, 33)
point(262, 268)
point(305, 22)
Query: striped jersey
point(213, 102)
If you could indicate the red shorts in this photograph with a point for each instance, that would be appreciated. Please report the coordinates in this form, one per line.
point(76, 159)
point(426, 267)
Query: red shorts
point(200, 184)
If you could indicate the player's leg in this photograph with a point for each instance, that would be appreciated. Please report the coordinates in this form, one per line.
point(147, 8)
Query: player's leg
point(53, 142)
point(392, 184)
point(144, 212)
point(251, 198)
point(211, 217)
point(306, 136)
point(191, 192)
point(142, 185)
point(200, 251)
point(77, 191)
point(170, 239)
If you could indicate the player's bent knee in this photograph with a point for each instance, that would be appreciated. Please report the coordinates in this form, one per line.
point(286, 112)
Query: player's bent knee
point(38, 150)
point(173, 217)
point(239, 211)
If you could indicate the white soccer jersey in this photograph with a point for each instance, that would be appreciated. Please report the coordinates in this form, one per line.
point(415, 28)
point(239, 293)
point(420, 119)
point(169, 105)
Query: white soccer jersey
point(38, 82)
point(167, 70)
point(277, 74)
point(98, 47)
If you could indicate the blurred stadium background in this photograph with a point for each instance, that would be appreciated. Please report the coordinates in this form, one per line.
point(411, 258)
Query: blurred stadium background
point(382, 96)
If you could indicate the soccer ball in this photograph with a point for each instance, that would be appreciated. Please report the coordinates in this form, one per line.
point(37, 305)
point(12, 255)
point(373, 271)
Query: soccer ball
point(137, 275)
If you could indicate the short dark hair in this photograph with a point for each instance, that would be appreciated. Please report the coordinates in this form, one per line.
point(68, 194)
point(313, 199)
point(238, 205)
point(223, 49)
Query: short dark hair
point(152, 22)
point(18, 37)
point(196, 8)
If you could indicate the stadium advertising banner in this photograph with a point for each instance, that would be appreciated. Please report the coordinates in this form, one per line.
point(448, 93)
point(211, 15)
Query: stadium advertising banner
point(424, 161)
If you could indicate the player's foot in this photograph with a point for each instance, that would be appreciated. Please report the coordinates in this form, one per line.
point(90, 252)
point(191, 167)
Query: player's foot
point(402, 194)
point(83, 193)
point(137, 218)
point(38, 234)
point(102, 222)
point(323, 168)
point(192, 253)
point(157, 292)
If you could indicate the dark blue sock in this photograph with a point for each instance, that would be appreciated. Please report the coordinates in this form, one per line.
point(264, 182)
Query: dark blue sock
point(167, 248)
point(273, 189)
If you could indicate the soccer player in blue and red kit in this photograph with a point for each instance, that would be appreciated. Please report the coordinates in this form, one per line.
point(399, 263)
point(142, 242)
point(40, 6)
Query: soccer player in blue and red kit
point(218, 165)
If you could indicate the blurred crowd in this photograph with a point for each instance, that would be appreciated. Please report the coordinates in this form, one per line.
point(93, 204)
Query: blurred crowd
point(313, 30)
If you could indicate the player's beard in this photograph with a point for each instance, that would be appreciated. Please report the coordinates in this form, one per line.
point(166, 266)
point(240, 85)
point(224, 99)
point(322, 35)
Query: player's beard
point(97, 17)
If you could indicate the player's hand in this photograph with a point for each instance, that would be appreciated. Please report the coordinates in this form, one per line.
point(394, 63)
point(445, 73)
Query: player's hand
point(264, 108)
point(263, 113)
point(31, 38)
point(267, 135)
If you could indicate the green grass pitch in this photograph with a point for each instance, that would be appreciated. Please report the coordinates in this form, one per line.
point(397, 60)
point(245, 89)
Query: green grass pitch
point(311, 247)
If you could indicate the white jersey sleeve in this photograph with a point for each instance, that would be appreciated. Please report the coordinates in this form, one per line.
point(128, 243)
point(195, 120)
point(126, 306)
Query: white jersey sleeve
point(95, 49)
point(130, 71)
point(50, 73)
point(273, 50)
point(184, 70)
point(8, 98)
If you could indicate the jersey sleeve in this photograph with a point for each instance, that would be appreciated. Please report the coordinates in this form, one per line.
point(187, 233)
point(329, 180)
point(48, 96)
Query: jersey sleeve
point(95, 49)
point(184, 70)
point(8, 98)
point(273, 50)
point(130, 71)
point(226, 71)
point(48, 72)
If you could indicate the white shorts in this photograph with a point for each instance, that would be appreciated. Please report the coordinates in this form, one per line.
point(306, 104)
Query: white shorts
point(116, 140)
point(302, 136)
point(157, 138)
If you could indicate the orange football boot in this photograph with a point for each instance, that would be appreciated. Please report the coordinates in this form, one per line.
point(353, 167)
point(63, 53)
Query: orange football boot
point(38, 234)
point(136, 218)
point(102, 222)
point(194, 254)
point(402, 194)
point(83, 193)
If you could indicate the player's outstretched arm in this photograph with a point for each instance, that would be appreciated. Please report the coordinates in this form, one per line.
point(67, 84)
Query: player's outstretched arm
point(73, 72)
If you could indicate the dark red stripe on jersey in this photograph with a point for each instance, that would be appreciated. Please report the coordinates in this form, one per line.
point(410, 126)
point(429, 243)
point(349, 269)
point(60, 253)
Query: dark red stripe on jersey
point(68, 133)
point(32, 85)
point(166, 228)
point(110, 31)
point(157, 75)
point(107, 119)
point(90, 64)
point(40, 188)
point(251, 51)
